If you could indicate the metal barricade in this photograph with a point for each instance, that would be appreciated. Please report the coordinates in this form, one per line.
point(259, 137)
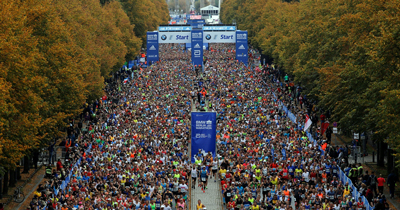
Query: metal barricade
point(356, 155)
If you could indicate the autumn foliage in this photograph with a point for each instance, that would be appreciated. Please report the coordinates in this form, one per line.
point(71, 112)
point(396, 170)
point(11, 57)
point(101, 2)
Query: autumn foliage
point(346, 54)
point(146, 15)
point(54, 56)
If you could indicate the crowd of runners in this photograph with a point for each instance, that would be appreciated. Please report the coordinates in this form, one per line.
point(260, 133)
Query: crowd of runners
point(134, 152)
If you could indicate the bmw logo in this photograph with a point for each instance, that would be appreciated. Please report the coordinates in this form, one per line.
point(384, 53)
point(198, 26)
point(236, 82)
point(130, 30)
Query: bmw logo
point(208, 37)
point(163, 37)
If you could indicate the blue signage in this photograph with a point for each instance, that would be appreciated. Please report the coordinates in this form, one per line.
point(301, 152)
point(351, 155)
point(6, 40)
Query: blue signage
point(197, 47)
point(203, 133)
point(242, 47)
point(197, 23)
point(174, 28)
point(152, 47)
point(219, 28)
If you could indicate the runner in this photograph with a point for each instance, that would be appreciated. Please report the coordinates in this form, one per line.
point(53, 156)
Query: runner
point(214, 169)
point(134, 153)
point(194, 174)
point(204, 177)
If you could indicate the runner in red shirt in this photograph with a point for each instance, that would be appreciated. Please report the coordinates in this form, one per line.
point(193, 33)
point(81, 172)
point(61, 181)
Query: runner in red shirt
point(231, 204)
point(360, 204)
point(381, 182)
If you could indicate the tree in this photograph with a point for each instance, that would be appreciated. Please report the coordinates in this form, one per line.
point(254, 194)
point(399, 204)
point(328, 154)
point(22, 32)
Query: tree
point(19, 120)
point(146, 15)
point(345, 55)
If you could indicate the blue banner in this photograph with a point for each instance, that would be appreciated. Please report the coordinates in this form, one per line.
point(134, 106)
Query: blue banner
point(284, 153)
point(197, 47)
point(219, 28)
point(242, 47)
point(152, 47)
point(197, 23)
point(174, 28)
point(203, 132)
point(273, 154)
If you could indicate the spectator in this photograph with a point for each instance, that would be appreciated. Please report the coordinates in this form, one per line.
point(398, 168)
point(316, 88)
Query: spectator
point(373, 182)
point(381, 183)
point(59, 165)
point(391, 182)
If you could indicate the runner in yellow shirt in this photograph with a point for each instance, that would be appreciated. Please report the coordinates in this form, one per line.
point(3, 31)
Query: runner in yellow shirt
point(199, 205)
point(222, 172)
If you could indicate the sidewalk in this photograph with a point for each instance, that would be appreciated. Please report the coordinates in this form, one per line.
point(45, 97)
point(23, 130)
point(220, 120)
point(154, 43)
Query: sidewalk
point(369, 165)
point(27, 190)
point(212, 197)
point(30, 187)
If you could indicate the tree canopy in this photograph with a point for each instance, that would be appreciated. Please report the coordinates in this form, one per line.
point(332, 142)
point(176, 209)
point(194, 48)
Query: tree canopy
point(146, 15)
point(345, 54)
point(54, 56)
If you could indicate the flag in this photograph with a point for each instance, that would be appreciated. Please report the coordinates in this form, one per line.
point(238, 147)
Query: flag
point(273, 155)
point(284, 154)
point(126, 80)
point(324, 126)
point(308, 123)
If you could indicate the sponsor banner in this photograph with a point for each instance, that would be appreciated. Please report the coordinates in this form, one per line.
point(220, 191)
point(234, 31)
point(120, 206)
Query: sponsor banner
point(174, 37)
point(197, 21)
point(197, 24)
point(174, 28)
point(203, 133)
point(152, 47)
point(195, 17)
point(197, 47)
point(242, 47)
point(219, 28)
point(219, 37)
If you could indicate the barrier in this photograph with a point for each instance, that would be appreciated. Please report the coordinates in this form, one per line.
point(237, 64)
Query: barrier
point(68, 178)
point(342, 176)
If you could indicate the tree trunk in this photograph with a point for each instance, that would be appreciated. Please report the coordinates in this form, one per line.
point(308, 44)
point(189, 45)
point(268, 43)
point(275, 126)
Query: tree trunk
point(5, 183)
point(390, 161)
point(18, 172)
point(1, 187)
point(381, 152)
point(26, 164)
point(12, 180)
